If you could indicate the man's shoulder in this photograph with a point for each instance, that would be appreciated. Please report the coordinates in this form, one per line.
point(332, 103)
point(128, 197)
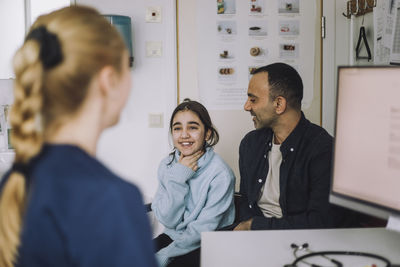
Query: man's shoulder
point(316, 139)
point(256, 136)
point(316, 132)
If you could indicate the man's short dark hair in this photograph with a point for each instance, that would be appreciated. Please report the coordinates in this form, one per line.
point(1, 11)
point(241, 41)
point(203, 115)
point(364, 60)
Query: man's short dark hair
point(284, 81)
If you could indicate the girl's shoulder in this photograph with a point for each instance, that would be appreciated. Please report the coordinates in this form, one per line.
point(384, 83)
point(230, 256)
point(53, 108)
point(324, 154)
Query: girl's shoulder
point(169, 160)
point(217, 164)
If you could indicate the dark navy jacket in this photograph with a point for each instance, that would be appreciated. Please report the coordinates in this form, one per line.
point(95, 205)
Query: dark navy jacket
point(304, 177)
point(81, 214)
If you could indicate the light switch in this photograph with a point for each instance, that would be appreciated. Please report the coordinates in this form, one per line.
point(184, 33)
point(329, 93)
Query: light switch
point(153, 49)
point(153, 14)
point(156, 120)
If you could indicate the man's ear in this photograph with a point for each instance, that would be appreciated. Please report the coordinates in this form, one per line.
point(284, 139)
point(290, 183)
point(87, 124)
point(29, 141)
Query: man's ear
point(106, 79)
point(280, 104)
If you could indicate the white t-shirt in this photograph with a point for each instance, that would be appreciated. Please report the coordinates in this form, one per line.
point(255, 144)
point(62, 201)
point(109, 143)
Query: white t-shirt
point(269, 197)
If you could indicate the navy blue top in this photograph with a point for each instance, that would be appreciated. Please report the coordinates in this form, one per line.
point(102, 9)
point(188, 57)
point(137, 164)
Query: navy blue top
point(81, 214)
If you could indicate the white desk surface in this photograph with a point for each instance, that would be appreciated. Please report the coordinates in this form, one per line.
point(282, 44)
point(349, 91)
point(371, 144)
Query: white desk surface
point(272, 248)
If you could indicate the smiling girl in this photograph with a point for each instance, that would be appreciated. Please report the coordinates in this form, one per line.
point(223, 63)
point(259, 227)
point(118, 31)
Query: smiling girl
point(196, 187)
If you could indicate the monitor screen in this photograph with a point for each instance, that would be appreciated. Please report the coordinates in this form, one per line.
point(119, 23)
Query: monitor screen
point(366, 168)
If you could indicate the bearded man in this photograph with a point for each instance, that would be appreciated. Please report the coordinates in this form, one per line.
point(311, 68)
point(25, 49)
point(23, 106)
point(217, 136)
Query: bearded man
point(285, 164)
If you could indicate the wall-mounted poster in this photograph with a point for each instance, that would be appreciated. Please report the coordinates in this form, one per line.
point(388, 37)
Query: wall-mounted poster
point(226, 74)
point(288, 6)
point(258, 52)
point(256, 7)
point(226, 6)
point(226, 52)
point(249, 34)
point(258, 28)
point(289, 27)
point(289, 50)
point(226, 27)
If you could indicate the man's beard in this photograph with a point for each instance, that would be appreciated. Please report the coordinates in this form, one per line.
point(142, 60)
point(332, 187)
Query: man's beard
point(268, 123)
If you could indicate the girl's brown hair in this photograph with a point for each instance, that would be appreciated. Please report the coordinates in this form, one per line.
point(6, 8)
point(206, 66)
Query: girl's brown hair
point(204, 117)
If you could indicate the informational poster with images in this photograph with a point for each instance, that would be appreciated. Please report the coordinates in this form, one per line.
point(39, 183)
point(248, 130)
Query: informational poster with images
point(395, 42)
point(226, 28)
point(249, 34)
point(386, 29)
point(383, 27)
point(227, 74)
point(289, 50)
point(258, 53)
point(226, 52)
point(289, 6)
point(256, 7)
point(258, 28)
point(289, 27)
point(226, 6)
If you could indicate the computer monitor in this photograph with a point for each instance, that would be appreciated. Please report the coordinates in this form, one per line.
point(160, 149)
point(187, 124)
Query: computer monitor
point(366, 166)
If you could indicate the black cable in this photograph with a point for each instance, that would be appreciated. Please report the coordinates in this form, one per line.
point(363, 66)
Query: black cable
point(306, 248)
point(345, 253)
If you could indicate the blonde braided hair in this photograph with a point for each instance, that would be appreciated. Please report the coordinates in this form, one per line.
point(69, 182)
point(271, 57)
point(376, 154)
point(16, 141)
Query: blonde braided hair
point(27, 141)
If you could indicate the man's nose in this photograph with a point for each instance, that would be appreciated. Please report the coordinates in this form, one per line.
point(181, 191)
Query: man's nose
point(247, 106)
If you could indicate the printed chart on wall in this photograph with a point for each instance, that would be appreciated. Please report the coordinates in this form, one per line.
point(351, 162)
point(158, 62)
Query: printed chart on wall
point(387, 32)
point(240, 35)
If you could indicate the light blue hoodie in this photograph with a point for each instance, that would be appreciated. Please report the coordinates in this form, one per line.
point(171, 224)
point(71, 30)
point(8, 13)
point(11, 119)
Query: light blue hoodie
point(188, 203)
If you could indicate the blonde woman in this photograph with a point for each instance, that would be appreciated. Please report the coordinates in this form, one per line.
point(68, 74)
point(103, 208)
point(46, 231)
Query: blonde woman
point(59, 206)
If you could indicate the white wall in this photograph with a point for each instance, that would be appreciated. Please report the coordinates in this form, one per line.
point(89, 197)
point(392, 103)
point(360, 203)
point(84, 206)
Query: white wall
point(12, 33)
point(132, 149)
point(339, 49)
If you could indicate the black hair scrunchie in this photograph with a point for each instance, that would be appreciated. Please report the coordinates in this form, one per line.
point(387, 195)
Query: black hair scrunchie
point(50, 47)
point(21, 168)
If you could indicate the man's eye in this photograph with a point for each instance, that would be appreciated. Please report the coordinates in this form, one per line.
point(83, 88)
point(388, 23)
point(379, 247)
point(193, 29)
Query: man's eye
point(193, 128)
point(176, 129)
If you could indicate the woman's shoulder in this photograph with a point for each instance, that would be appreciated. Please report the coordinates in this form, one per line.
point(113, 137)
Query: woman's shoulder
point(76, 170)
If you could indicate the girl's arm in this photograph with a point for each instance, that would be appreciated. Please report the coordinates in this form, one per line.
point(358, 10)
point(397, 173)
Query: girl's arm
point(219, 204)
point(169, 202)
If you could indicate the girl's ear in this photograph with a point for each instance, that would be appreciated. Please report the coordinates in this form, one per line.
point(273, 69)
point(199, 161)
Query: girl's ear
point(208, 135)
